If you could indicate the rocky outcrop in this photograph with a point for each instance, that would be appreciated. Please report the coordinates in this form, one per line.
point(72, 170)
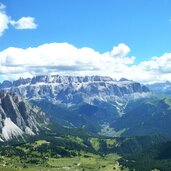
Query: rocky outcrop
point(17, 117)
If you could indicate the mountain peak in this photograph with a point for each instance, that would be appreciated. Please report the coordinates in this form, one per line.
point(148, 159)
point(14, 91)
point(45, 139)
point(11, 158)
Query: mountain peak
point(123, 79)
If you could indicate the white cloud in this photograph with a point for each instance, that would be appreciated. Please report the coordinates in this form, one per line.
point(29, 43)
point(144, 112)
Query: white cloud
point(62, 58)
point(121, 50)
point(4, 19)
point(2, 7)
point(66, 59)
point(22, 23)
point(157, 69)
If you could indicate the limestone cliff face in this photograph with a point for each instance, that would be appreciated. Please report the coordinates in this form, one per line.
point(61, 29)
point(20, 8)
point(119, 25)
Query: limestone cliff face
point(17, 117)
point(74, 89)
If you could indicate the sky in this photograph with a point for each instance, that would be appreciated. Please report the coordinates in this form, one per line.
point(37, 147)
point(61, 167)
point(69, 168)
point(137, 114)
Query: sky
point(117, 38)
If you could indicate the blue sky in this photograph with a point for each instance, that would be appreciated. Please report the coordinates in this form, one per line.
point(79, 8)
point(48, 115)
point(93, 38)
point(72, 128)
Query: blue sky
point(143, 25)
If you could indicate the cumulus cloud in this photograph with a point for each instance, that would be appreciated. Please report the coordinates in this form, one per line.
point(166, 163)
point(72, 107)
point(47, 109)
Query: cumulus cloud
point(157, 69)
point(22, 23)
point(66, 59)
point(4, 19)
point(121, 50)
point(62, 58)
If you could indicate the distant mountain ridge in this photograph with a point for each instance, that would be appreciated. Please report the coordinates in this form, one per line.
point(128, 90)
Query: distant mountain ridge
point(73, 89)
point(164, 88)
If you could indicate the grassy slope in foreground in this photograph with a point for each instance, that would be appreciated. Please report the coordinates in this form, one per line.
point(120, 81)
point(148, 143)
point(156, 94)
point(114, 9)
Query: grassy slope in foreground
point(86, 162)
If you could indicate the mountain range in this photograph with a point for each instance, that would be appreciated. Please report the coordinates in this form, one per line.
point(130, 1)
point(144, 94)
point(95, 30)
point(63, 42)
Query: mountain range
point(73, 89)
point(101, 105)
point(91, 118)
point(163, 88)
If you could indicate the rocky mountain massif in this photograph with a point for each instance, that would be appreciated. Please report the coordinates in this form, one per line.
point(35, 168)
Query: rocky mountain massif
point(97, 104)
point(91, 102)
point(72, 89)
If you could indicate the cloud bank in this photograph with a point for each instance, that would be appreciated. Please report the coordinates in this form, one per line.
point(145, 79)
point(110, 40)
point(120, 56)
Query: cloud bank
point(66, 59)
point(22, 23)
